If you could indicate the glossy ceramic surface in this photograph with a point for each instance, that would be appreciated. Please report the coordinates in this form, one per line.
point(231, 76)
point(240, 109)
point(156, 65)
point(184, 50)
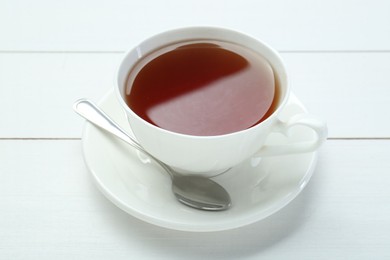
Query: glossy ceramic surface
point(258, 187)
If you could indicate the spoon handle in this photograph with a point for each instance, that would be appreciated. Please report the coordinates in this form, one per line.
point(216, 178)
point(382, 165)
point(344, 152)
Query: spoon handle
point(95, 115)
point(88, 110)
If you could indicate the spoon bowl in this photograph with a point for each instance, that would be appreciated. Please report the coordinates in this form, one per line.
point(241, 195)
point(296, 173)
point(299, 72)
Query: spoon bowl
point(193, 191)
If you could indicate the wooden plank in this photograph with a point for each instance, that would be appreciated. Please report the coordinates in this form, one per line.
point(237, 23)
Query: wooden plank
point(38, 91)
point(348, 90)
point(49, 209)
point(88, 25)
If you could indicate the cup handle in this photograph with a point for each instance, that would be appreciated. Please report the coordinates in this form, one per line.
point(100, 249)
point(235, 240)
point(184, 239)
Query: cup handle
point(319, 127)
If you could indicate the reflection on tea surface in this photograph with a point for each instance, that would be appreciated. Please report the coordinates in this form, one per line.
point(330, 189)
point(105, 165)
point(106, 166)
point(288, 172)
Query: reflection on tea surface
point(202, 88)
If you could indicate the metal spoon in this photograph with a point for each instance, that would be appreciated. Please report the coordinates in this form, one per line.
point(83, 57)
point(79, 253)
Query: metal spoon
point(194, 191)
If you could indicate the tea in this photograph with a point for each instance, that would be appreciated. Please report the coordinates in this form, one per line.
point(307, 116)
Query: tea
point(202, 88)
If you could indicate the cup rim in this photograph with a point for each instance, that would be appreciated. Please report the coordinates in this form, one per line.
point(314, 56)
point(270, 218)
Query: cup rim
point(280, 106)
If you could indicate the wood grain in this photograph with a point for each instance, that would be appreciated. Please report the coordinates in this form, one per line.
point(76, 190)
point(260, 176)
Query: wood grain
point(51, 209)
point(88, 25)
point(53, 52)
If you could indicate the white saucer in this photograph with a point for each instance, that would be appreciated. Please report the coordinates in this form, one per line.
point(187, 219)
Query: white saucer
point(258, 187)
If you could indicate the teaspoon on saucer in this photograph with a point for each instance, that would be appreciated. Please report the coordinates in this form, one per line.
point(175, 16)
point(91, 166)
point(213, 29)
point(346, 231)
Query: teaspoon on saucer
point(194, 191)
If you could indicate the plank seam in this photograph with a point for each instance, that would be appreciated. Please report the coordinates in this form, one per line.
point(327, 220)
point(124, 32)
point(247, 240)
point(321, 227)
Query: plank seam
point(121, 52)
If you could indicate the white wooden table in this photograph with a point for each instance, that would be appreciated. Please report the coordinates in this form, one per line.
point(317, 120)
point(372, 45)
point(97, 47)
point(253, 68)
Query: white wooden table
point(53, 52)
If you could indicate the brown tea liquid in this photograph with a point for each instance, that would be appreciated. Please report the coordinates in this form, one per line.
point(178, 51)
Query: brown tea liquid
point(202, 88)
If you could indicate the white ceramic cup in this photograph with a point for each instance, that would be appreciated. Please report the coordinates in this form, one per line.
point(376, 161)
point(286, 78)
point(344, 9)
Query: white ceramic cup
point(209, 155)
